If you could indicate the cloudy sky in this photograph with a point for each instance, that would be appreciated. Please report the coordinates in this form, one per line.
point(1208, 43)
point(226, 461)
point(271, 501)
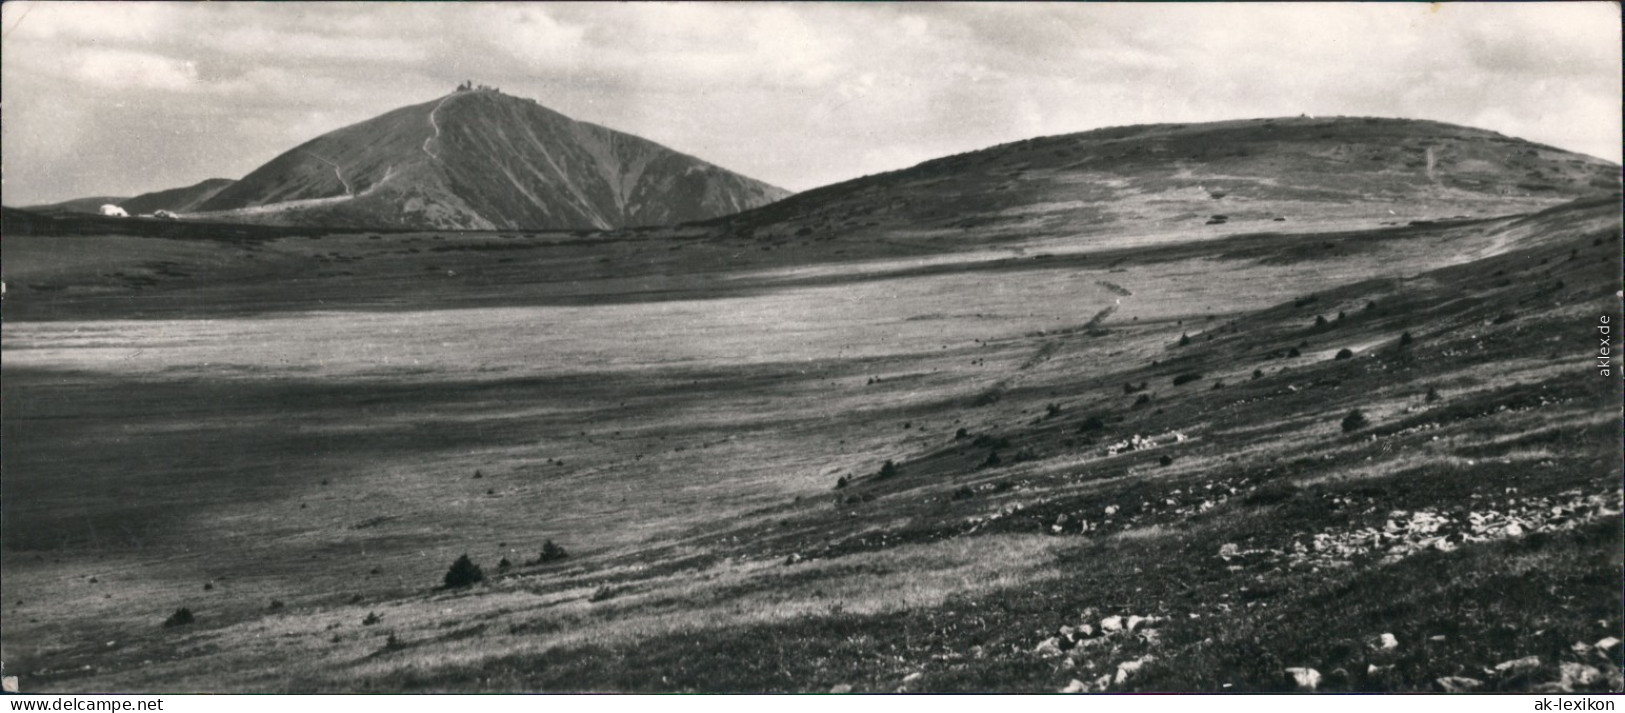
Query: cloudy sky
point(120, 98)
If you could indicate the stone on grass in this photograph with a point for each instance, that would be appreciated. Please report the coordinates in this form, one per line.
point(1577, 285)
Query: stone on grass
point(1579, 674)
point(1049, 647)
point(1387, 642)
point(841, 688)
point(1075, 686)
point(1608, 643)
point(1307, 679)
point(1111, 624)
point(1516, 666)
point(1128, 669)
point(1459, 684)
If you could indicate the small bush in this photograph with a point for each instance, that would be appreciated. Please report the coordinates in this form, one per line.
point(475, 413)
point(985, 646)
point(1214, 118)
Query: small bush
point(961, 434)
point(992, 460)
point(1143, 400)
point(887, 470)
point(1186, 378)
point(1218, 385)
point(1293, 353)
point(1505, 317)
point(1355, 421)
point(1405, 340)
point(276, 604)
point(551, 553)
point(463, 573)
point(1344, 354)
point(841, 482)
point(181, 617)
point(1258, 374)
point(371, 618)
point(1093, 423)
point(1433, 395)
point(1320, 320)
point(503, 564)
point(603, 593)
point(1166, 460)
point(964, 493)
point(1052, 410)
point(1184, 340)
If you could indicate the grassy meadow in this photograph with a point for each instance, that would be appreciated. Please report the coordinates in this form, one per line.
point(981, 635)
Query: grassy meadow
point(293, 437)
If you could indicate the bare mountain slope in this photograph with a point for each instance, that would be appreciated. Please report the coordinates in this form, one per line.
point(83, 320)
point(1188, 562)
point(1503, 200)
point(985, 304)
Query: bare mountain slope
point(1213, 177)
point(482, 159)
point(178, 200)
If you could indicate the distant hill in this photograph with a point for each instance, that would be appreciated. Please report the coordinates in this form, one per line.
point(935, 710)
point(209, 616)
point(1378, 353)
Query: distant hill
point(176, 200)
point(1215, 177)
point(479, 159)
point(91, 205)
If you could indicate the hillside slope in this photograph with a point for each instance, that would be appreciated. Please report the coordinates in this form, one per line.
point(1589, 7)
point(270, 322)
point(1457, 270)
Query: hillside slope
point(178, 200)
point(484, 160)
point(1213, 177)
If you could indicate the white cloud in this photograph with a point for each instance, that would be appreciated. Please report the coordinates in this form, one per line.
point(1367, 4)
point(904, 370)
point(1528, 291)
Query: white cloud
point(795, 94)
point(123, 69)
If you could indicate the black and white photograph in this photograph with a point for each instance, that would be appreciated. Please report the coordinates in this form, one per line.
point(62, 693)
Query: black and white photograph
point(823, 348)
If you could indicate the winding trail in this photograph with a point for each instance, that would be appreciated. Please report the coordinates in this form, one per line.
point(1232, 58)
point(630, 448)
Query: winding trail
point(434, 122)
point(348, 191)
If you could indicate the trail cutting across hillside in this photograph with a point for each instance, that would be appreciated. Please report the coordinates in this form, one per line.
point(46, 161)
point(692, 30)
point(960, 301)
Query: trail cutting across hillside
point(337, 172)
point(435, 124)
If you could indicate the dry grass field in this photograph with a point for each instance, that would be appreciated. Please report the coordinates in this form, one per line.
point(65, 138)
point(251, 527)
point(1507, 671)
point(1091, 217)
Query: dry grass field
point(293, 437)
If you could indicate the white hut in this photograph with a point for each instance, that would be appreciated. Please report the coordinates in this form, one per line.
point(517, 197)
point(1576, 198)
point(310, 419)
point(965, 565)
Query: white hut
point(109, 209)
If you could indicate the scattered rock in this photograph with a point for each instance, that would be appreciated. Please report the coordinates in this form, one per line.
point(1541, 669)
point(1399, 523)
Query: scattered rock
point(1128, 669)
point(1076, 686)
point(1459, 684)
point(1578, 674)
point(1387, 642)
point(1111, 624)
point(841, 688)
point(1136, 621)
point(1307, 679)
point(1049, 647)
point(1608, 643)
point(1517, 666)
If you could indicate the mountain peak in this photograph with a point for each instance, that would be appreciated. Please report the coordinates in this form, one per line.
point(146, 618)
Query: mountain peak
point(480, 159)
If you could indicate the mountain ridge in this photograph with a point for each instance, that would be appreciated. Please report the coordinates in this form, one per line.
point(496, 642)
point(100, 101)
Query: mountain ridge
point(479, 159)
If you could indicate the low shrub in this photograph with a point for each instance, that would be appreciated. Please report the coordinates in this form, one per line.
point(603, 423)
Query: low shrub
point(463, 573)
point(551, 552)
point(1344, 354)
point(1354, 421)
point(1186, 378)
point(181, 617)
